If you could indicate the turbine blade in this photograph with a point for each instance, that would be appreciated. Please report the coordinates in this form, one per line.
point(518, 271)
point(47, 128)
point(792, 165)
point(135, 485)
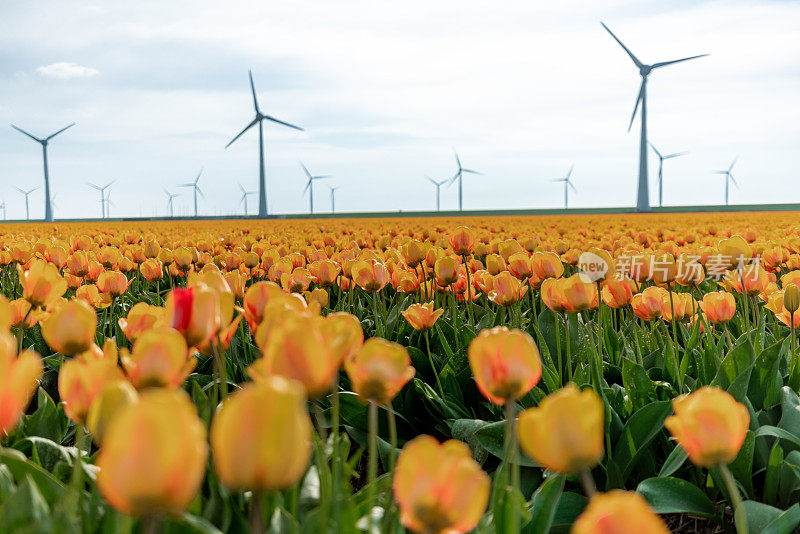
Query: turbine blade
point(322, 177)
point(273, 119)
point(431, 180)
point(571, 168)
point(665, 63)
point(636, 106)
point(719, 172)
point(253, 89)
point(732, 164)
point(657, 152)
point(20, 190)
point(242, 188)
point(458, 160)
point(675, 155)
point(94, 186)
point(305, 170)
point(201, 192)
point(58, 132)
point(308, 184)
point(630, 54)
point(253, 123)
point(572, 186)
point(26, 133)
point(109, 184)
point(470, 171)
point(733, 180)
point(198, 175)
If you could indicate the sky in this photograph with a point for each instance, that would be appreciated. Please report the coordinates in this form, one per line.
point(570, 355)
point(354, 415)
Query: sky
point(386, 91)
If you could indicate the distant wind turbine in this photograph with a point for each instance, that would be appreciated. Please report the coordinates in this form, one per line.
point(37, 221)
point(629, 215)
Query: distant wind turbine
point(333, 197)
point(262, 185)
point(27, 207)
point(196, 189)
point(459, 176)
point(438, 188)
point(567, 185)
point(108, 204)
point(310, 186)
point(170, 204)
point(728, 178)
point(102, 195)
point(3, 207)
point(48, 210)
point(661, 159)
point(643, 196)
point(245, 194)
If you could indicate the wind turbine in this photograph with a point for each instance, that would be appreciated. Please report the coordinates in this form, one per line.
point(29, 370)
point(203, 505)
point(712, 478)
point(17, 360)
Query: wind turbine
point(170, 204)
point(333, 197)
point(245, 194)
point(262, 185)
point(102, 195)
point(27, 208)
point(310, 186)
point(108, 204)
point(48, 210)
point(661, 159)
point(458, 176)
point(438, 188)
point(728, 178)
point(3, 207)
point(196, 189)
point(643, 197)
point(567, 185)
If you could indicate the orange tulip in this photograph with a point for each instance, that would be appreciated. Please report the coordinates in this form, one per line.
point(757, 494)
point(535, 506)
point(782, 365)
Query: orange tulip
point(19, 378)
point(160, 358)
point(325, 272)
point(71, 329)
point(78, 263)
point(141, 317)
point(41, 283)
point(255, 301)
point(297, 281)
point(422, 316)
point(552, 294)
point(112, 398)
point(617, 293)
point(754, 277)
point(519, 265)
point(439, 488)
point(719, 307)
point(445, 271)
point(414, 252)
point(154, 453)
point(152, 270)
point(681, 306)
point(709, 425)
point(194, 312)
point(546, 265)
point(505, 363)
point(506, 290)
point(618, 511)
point(80, 380)
point(112, 283)
point(370, 275)
point(462, 240)
point(91, 295)
point(578, 295)
point(379, 370)
point(735, 251)
point(21, 310)
point(647, 305)
point(565, 432)
point(261, 436)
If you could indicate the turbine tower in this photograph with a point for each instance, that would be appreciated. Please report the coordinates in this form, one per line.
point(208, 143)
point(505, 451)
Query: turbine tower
point(196, 189)
point(170, 204)
point(262, 184)
point(27, 207)
point(245, 194)
point(108, 203)
point(102, 195)
point(438, 188)
point(728, 178)
point(567, 185)
point(3, 207)
point(333, 197)
point(48, 210)
point(310, 186)
point(458, 176)
point(643, 196)
point(661, 159)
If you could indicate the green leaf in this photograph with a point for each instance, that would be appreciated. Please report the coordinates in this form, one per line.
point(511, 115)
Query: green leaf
point(790, 411)
point(673, 462)
point(638, 386)
point(759, 515)
point(773, 473)
point(734, 372)
point(544, 504)
point(784, 523)
point(639, 431)
point(51, 489)
point(742, 465)
point(765, 382)
point(491, 437)
point(668, 495)
point(47, 421)
point(570, 506)
point(25, 510)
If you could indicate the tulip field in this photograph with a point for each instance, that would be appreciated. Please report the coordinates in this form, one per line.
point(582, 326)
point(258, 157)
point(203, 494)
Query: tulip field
point(587, 374)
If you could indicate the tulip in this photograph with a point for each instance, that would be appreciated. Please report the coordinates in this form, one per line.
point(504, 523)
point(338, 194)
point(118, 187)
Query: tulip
point(647, 305)
point(261, 436)
point(546, 265)
point(325, 272)
point(414, 252)
point(618, 511)
point(520, 266)
point(78, 263)
point(565, 432)
point(91, 295)
point(439, 488)
point(664, 269)
point(552, 294)
point(160, 358)
point(462, 240)
point(422, 316)
point(80, 380)
point(182, 257)
point(22, 311)
point(735, 251)
point(112, 398)
point(507, 290)
point(19, 378)
point(141, 317)
point(152, 270)
point(41, 283)
point(71, 329)
point(445, 271)
point(319, 297)
point(495, 264)
point(505, 363)
point(255, 301)
point(719, 307)
point(109, 257)
point(5, 314)
point(194, 312)
point(112, 283)
point(754, 278)
point(617, 293)
point(370, 275)
point(379, 370)
point(154, 454)
point(297, 281)
point(213, 279)
point(791, 298)
point(578, 295)
point(709, 425)
point(677, 306)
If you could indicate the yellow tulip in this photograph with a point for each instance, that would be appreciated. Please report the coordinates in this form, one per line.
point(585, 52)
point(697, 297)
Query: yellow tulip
point(71, 329)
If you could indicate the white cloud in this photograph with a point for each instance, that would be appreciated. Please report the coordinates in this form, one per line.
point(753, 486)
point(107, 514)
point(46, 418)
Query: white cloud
point(63, 70)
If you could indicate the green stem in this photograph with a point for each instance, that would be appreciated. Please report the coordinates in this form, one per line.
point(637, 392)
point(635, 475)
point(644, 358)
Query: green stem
point(512, 517)
point(372, 465)
point(588, 483)
point(558, 351)
point(569, 349)
point(433, 367)
point(469, 292)
point(151, 524)
point(337, 468)
point(378, 321)
point(736, 499)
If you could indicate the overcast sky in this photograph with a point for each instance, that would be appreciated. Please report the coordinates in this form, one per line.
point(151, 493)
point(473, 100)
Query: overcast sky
point(385, 91)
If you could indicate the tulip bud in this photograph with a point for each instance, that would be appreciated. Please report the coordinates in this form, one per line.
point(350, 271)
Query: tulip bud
point(194, 312)
point(505, 363)
point(791, 298)
point(719, 306)
point(71, 329)
point(41, 283)
point(261, 436)
point(154, 454)
point(618, 511)
point(462, 240)
point(160, 358)
point(113, 397)
point(422, 316)
point(19, 378)
point(565, 432)
point(379, 370)
point(80, 381)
